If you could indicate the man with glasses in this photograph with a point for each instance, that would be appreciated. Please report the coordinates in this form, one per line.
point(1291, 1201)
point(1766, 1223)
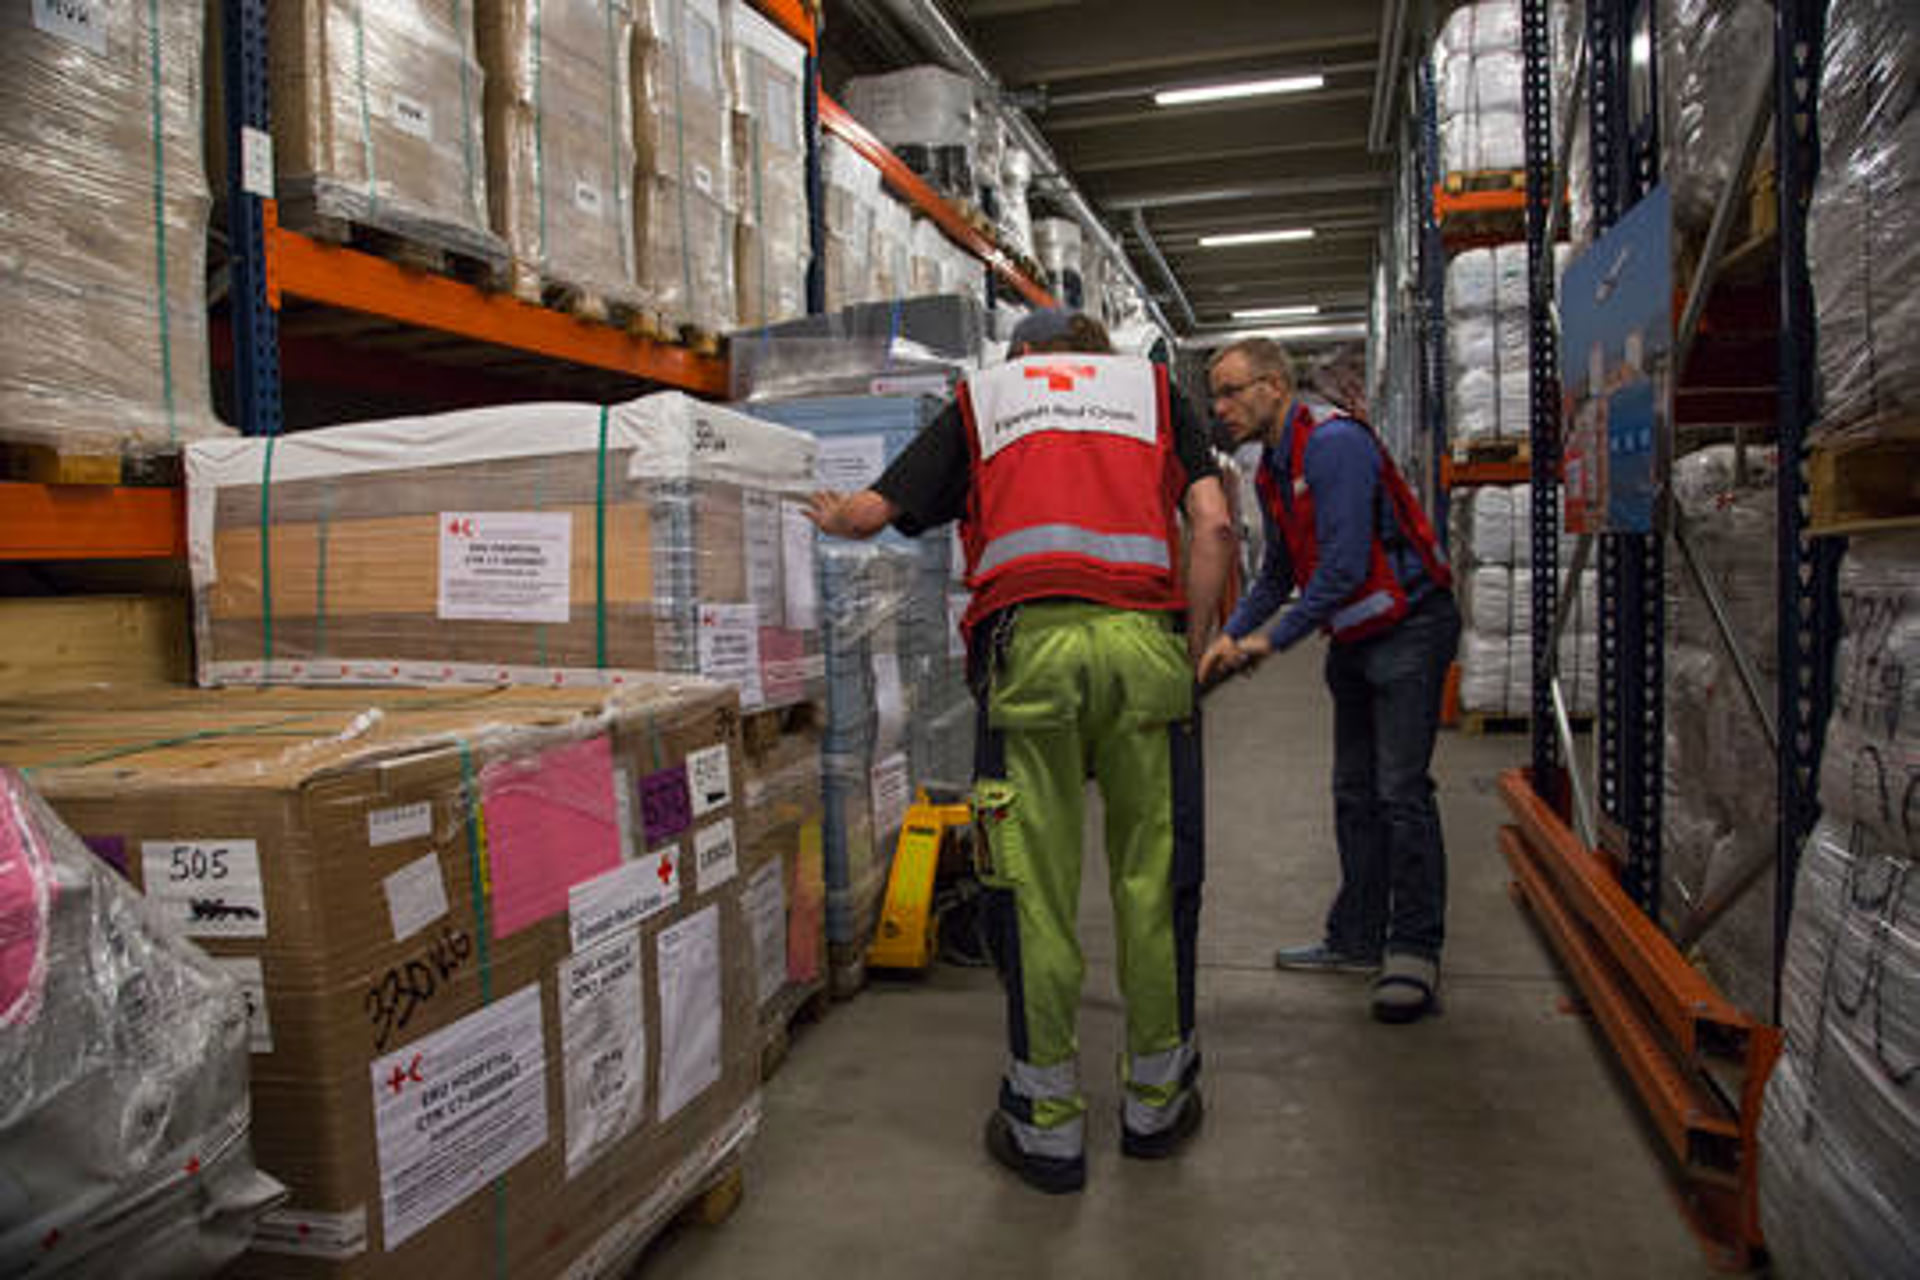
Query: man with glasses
point(1344, 530)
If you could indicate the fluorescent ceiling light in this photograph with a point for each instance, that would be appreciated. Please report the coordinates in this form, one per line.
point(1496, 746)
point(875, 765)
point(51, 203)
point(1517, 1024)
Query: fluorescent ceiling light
point(1278, 313)
point(1237, 89)
point(1255, 237)
point(1210, 340)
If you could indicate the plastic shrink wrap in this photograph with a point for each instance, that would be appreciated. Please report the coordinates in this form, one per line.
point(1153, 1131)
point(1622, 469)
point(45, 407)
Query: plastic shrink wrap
point(559, 137)
point(554, 544)
point(124, 1116)
point(1057, 248)
point(850, 188)
point(378, 119)
point(925, 115)
point(1862, 247)
point(774, 244)
point(1477, 69)
point(1713, 56)
point(1870, 769)
point(899, 347)
point(104, 198)
point(683, 193)
point(1493, 554)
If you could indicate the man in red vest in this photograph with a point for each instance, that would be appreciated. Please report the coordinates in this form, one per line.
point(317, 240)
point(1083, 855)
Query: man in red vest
point(1345, 531)
point(1067, 468)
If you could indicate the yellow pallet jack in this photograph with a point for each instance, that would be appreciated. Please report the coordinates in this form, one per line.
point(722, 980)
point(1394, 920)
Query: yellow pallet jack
point(935, 838)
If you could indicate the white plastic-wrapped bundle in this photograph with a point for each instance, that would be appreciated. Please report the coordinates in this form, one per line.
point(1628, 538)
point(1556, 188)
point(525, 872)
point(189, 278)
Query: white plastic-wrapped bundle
point(1016, 180)
point(1470, 284)
point(1498, 599)
point(1482, 140)
point(377, 118)
point(926, 115)
point(559, 138)
point(1496, 672)
point(1730, 522)
point(1861, 243)
point(892, 249)
point(1488, 343)
point(851, 187)
point(1840, 1131)
point(1494, 525)
point(774, 245)
point(1712, 54)
point(124, 1113)
point(1870, 768)
point(1486, 27)
point(103, 201)
point(1057, 247)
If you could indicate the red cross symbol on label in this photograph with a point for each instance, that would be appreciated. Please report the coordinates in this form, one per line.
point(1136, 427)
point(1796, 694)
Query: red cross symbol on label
point(1060, 377)
point(460, 528)
point(402, 1076)
point(666, 868)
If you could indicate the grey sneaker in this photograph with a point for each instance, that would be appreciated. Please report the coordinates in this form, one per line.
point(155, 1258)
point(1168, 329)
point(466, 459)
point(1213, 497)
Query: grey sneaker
point(1318, 957)
point(1407, 990)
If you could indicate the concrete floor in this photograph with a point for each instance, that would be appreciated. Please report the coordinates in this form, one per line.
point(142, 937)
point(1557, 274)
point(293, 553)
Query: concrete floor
point(1496, 1140)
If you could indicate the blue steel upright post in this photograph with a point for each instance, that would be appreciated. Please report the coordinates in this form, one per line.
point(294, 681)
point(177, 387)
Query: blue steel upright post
point(816, 193)
point(1433, 291)
point(256, 328)
point(1543, 190)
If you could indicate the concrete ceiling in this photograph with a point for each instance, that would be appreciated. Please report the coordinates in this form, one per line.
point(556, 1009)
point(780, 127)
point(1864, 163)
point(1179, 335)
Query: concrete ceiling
point(1086, 71)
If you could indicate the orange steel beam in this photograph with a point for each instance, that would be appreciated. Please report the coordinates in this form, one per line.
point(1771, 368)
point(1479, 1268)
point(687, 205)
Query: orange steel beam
point(793, 17)
point(361, 282)
point(1446, 202)
point(1458, 473)
point(908, 184)
point(1691, 1120)
point(91, 522)
point(1697, 1017)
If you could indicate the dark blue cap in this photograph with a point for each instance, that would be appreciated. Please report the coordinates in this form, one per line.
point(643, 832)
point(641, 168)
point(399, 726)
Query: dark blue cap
point(1041, 326)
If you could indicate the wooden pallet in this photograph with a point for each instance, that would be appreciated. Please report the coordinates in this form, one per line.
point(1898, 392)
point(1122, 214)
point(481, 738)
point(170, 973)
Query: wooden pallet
point(792, 1010)
point(94, 462)
point(715, 1203)
point(535, 288)
point(1866, 483)
point(1485, 180)
point(461, 259)
point(656, 327)
point(1478, 452)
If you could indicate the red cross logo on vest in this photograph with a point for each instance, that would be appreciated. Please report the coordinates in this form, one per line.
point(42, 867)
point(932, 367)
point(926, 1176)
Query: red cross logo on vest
point(1060, 377)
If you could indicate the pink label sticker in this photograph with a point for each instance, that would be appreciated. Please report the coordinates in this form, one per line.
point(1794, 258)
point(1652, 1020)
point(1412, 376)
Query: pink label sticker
point(666, 805)
point(552, 822)
point(783, 665)
point(26, 888)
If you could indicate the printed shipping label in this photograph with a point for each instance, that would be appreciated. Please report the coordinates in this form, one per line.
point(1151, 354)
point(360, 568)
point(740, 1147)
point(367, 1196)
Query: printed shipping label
point(796, 562)
point(710, 776)
point(312, 1234)
point(703, 179)
point(689, 1009)
point(730, 648)
point(603, 1038)
point(849, 463)
point(245, 970)
point(416, 896)
point(207, 888)
point(457, 1109)
point(714, 857)
point(256, 162)
point(412, 116)
point(892, 791)
point(766, 907)
point(586, 198)
point(81, 22)
point(403, 822)
point(505, 566)
point(600, 907)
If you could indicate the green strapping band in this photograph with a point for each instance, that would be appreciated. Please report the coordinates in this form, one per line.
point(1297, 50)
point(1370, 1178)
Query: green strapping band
point(266, 554)
point(616, 109)
point(476, 200)
point(539, 131)
point(600, 547)
point(272, 727)
point(366, 113)
point(680, 145)
point(160, 220)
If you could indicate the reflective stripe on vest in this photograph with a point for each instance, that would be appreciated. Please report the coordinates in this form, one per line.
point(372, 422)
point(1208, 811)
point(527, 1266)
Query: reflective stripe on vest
point(1361, 611)
point(1119, 549)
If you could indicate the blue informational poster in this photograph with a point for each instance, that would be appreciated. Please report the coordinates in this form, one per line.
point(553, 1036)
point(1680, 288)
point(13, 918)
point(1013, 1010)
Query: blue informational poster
point(1616, 316)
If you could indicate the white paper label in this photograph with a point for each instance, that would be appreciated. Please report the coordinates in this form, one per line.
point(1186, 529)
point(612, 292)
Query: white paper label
point(505, 566)
point(416, 896)
point(81, 22)
point(206, 888)
point(586, 198)
point(796, 561)
point(402, 822)
point(703, 179)
point(765, 903)
point(730, 648)
point(311, 1234)
point(1070, 393)
point(245, 970)
point(714, 857)
point(890, 703)
point(457, 1109)
point(709, 779)
point(623, 897)
point(412, 116)
point(762, 519)
point(849, 463)
point(689, 1009)
point(892, 792)
point(623, 812)
point(957, 604)
point(909, 384)
point(603, 1039)
point(256, 162)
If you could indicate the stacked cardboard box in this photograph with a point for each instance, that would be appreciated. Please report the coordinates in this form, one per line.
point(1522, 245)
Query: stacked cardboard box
point(547, 544)
point(378, 119)
point(780, 828)
point(770, 160)
point(104, 201)
point(496, 943)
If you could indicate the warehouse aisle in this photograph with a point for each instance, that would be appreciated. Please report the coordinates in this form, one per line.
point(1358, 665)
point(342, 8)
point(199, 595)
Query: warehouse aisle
point(1493, 1141)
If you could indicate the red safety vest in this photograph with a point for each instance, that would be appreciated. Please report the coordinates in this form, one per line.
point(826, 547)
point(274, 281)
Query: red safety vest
point(1380, 601)
point(1075, 484)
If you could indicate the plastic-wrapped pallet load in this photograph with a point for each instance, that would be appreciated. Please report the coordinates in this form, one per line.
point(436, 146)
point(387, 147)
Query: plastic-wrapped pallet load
point(1719, 812)
point(781, 816)
point(900, 347)
point(770, 155)
point(683, 194)
point(1861, 244)
point(551, 544)
point(1713, 54)
point(892, 249)
point(1057, 248)
point(1840, 1133)
point(560, 156)
point(926, 116)
point(124, 1114)
point(104, 201)
point(851, 192)
point(504, 996)
point(1489, 377)
point(377, 119)
point(1477, 70)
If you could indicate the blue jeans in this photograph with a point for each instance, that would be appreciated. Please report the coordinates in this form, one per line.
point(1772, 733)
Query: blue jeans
point(1386, 714)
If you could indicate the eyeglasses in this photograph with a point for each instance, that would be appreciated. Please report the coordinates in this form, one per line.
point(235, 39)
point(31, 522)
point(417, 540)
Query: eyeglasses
point(1234, 389)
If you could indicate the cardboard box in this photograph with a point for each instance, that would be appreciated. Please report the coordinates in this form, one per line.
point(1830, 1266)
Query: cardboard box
point(544, 544)
point(774, 245)
point(503, 976)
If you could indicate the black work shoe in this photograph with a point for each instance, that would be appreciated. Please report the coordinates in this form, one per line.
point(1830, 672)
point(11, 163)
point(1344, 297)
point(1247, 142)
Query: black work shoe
point(1051, 1174)
point(1168, 1141)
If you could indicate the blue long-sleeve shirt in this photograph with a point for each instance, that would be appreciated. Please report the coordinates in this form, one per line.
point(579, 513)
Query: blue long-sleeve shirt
point(1341, 466)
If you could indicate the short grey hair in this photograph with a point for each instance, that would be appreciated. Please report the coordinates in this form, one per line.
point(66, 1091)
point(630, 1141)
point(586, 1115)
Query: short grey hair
point(1264, 358)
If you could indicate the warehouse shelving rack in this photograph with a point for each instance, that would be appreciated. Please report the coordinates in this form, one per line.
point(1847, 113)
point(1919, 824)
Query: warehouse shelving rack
point(269, 264)
point(1587, 858)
